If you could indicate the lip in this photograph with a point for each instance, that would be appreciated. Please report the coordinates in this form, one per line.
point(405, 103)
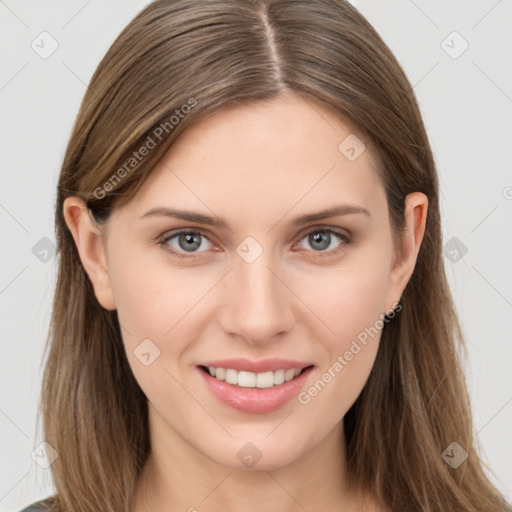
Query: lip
point(265, 365)
point(255, 400)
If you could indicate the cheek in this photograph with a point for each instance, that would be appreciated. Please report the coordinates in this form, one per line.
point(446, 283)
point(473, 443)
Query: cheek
point(349, 299)
point(156, 303)
point(151, 295)
point(153, 311)
point(351, 306)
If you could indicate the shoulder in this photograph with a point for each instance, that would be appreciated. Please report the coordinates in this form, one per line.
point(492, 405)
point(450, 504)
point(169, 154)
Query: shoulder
point(40, 506)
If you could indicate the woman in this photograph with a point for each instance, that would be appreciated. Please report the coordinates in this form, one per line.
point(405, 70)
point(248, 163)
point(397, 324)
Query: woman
point(251, 308)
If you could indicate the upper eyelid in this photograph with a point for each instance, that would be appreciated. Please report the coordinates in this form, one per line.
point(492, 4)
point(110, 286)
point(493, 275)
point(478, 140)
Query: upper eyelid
point(171, 234)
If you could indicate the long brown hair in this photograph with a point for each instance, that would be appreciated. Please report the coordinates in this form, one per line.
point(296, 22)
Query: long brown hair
point(176, 62)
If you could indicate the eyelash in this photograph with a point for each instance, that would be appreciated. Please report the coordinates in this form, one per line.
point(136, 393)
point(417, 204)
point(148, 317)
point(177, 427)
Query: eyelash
point(321, 254)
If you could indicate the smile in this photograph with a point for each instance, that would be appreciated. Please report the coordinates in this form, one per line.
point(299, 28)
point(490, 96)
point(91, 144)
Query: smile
point(254, 392)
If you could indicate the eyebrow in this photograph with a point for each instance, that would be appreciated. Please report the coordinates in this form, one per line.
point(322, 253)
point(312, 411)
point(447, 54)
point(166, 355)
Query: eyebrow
point(200, 218)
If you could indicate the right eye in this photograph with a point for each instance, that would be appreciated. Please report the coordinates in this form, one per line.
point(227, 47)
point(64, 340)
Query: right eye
point(187, 241)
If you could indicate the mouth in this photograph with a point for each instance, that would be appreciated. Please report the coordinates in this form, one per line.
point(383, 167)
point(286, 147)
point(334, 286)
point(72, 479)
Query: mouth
point(251, 392)
point(246, 379)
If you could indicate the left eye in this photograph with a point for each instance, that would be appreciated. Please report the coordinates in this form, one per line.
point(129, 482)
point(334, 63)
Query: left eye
point(191, 241)
point(320, 239)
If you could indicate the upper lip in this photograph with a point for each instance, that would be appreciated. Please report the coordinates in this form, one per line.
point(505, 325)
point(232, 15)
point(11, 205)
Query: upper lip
point(265, 365)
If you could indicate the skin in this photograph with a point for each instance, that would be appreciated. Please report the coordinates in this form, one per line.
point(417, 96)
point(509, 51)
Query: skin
point(257, 167)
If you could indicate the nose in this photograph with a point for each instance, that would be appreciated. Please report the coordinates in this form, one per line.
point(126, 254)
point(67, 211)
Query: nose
point(259, 303)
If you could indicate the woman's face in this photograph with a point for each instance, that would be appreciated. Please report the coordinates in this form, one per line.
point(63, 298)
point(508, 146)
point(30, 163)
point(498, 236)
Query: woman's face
point(262, 285)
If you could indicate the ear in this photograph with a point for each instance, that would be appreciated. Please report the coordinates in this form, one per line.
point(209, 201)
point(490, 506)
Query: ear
point(90, 242)
point(416, 209)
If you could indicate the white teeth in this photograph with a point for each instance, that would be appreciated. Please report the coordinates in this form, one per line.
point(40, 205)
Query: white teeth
point(278, 377)
point(246, 379)
point(253, 380)
point(264, 380)
point(231, 376)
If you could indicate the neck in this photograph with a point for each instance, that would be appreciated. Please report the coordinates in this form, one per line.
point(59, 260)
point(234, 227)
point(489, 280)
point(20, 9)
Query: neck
point(177, 476)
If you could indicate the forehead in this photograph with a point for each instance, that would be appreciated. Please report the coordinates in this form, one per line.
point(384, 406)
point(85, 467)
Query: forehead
point(269, 157)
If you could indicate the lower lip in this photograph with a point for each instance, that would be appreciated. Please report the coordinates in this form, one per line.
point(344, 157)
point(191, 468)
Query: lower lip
point(255, 400)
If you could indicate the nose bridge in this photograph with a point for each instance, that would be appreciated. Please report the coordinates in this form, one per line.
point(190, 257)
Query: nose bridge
point(259, 305)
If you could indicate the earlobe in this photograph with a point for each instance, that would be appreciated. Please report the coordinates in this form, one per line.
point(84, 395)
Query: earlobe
point(89, 241)
point(406, 254)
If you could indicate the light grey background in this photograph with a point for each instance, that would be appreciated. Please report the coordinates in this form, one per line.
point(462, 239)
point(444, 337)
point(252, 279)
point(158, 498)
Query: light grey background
point(466, 101)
